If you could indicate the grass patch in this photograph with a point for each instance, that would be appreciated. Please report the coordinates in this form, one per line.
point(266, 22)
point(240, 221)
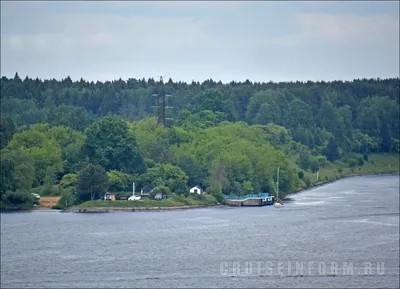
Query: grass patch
point(170, 202)
point(380, 163)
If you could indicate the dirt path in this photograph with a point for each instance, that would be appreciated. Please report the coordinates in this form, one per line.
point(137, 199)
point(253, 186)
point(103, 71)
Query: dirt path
point(48, 202)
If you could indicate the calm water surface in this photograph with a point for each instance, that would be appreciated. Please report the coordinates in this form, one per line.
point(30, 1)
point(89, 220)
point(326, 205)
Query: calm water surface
point(355, 221)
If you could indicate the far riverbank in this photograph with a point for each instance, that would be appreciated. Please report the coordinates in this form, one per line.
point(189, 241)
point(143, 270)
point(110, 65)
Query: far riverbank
point(114, 208)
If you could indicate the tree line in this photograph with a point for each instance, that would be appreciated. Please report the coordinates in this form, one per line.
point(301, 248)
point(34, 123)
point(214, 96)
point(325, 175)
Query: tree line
point(60, 136)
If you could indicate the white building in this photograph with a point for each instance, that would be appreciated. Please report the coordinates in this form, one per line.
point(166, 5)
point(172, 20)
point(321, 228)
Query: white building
point(196, 190)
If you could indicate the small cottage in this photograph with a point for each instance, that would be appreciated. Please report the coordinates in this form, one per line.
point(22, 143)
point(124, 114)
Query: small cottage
point(146, 190)
point(196, 190)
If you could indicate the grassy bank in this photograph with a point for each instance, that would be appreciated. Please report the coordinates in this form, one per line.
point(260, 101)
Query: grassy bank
point(377, 164)
point(175, 201)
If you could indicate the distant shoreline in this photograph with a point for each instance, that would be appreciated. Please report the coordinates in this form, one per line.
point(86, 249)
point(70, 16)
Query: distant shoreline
point(78, 209)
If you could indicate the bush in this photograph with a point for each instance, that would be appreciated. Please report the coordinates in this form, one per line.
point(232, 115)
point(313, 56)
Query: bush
point(122, 194)
point(307, 182)
point(196, 197)
point(160, 189)
point(67, 199)
point(322, 161)
point(50, 190)
point(179, 187)
point(20, 199)
point(304, 160)
point(314, 165)
point(69, 180)
point(351, 162)
point(216, 192)
point(301, 175)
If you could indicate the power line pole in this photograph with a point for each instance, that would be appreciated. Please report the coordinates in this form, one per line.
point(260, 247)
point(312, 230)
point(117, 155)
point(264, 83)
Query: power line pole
point(162, 104)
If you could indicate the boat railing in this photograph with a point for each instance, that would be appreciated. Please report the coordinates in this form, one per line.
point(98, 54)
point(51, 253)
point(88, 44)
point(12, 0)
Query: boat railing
point(263, 196)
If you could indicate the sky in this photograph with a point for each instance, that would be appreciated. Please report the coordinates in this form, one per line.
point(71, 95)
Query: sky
point(186, 40)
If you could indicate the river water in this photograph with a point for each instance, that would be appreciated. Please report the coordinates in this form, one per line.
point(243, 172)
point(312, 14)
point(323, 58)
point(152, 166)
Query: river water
point(345, 234)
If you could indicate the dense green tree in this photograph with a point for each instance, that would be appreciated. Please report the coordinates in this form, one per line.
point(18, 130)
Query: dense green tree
point(92, 183)
point(119, 181)
point(166, 175)
point(305, 160)
point(69, 181)
point(7, 130)
point(110, 144)
point(332, 150)
point(7, 181)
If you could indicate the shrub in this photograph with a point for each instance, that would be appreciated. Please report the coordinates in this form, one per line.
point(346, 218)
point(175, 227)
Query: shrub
point(216, 192)
point(314, 165)
point(351, 162)
point(122, 194)
point(19, 199)
point(160, 189)
point(301, 175)
point(50, 190)
point(307, 182)
point(67, 199)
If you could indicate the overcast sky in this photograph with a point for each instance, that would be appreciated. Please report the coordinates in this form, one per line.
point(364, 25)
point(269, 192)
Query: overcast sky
point(186, 40)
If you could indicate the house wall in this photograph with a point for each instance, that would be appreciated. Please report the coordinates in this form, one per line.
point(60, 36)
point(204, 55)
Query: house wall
point(195, 191)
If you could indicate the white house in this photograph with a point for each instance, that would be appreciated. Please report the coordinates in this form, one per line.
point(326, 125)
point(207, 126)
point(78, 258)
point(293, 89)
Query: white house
point(196, 190)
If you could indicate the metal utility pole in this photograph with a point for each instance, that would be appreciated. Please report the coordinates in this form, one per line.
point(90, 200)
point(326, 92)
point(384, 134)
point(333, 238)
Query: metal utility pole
point(162, 104)
point(277, 184)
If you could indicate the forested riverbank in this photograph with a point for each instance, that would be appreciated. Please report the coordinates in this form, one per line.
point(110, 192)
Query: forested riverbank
point(80, 139)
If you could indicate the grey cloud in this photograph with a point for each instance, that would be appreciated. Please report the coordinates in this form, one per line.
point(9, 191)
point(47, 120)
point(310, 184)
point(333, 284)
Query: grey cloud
point(109, 46)
point(335, 47)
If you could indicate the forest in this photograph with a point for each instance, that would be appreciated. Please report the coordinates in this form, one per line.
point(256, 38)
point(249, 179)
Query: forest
point(79, 139)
